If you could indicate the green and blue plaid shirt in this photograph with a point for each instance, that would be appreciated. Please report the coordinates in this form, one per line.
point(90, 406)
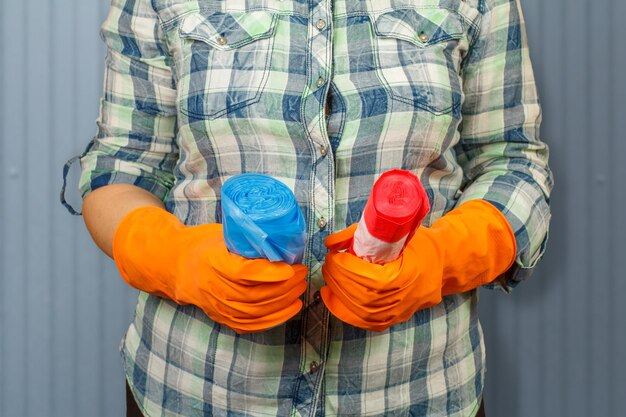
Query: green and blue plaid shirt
point(325, 96)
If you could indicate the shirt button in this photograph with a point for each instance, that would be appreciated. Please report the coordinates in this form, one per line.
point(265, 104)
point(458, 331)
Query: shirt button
point(317, 297)
point(322, 222)
point(423, 37)
point(314, 367)
point(320, 24)
point(222, 40)
point(323, 151)
point(320, 82)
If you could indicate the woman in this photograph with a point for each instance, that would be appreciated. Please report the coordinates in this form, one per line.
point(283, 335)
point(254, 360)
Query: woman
point(325, 97)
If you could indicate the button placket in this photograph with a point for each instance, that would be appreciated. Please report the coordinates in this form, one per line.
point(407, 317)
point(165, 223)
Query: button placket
point(317, 297)
point(314, 367)
point(314, 331)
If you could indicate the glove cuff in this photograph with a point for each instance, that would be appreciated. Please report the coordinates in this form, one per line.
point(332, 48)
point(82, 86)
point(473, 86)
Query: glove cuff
point(477, 243)
point(142, 245)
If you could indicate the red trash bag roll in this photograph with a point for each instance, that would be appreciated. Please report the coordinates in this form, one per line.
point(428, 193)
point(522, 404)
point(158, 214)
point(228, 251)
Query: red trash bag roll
point(394, 211)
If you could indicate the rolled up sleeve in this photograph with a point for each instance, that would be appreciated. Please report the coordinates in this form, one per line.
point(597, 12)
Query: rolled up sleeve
point(503, 159)
point(136, 128)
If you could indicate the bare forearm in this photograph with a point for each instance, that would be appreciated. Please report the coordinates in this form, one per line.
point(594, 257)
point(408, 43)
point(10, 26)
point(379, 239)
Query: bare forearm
point(105, 207)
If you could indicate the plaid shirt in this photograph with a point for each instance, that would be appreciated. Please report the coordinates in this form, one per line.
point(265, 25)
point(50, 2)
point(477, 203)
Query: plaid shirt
point(324, 96)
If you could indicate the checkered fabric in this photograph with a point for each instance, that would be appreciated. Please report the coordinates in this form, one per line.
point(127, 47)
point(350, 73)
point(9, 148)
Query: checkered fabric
point(325, 96)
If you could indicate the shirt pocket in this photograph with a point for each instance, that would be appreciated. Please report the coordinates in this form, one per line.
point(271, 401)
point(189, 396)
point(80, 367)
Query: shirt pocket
point(226, 58)
point(418, 52)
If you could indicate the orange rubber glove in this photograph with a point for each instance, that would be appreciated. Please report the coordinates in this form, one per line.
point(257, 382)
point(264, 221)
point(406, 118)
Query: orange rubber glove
point(468, 247)
point(157, 254)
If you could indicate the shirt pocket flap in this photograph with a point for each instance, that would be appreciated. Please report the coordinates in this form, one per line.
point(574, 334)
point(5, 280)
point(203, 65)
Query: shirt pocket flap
point(226, 31)
point(422, 27)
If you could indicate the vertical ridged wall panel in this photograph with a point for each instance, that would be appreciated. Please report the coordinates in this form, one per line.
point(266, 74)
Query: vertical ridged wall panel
point(555, 347)
point(63, 309)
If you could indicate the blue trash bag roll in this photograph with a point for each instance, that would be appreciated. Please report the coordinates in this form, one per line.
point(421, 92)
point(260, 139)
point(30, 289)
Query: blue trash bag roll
point(262, 219)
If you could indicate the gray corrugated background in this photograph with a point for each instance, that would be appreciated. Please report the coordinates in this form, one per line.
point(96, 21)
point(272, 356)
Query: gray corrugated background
point(556, 347)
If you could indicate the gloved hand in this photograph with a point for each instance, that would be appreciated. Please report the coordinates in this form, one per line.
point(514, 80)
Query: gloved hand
point(468, 247)
point(157, 254)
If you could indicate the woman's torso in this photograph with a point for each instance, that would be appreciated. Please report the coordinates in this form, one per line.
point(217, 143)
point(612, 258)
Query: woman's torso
point(324, 97)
